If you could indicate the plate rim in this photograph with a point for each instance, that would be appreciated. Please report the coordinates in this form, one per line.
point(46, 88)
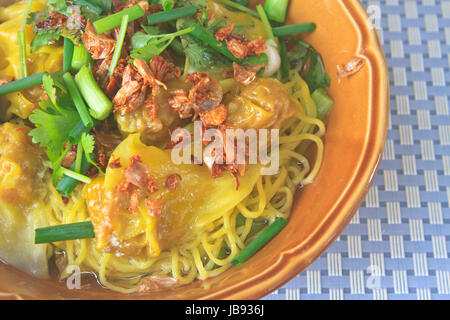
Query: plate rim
point(297, 259)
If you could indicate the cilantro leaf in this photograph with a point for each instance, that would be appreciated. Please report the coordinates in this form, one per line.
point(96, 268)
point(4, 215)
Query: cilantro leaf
point(54, 122)
point(139, 40)
point(52, 129)
point(151, 49)
point(37, 16)
point(49, 35)
point(88, 144)
point(54, 84)
point(202, 57)
point(155, 43)
point(42, 39)
point(152, 30)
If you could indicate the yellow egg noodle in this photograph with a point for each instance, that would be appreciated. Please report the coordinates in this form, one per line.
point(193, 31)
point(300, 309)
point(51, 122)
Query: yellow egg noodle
point(202, 256)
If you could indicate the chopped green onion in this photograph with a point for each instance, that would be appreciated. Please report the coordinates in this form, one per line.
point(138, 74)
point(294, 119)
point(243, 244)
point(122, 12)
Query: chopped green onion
point(75, 175)
point(67, 184)
point(293, 29)
point(79, 157)
point(208, 39)
point(239, 7)
point(91, 6)
point(119, 44)
point(99, 105)
point(21, 42)
point(80, 57)
point(265, 21)
point(77, 100)
point(169, 15)
point(284, 59)
point(62, 232)
point(265, 236)
point(76, 133)
point(276, 9)
point(22, 84)
point(323, 102)
point(113, 21)
point(67, 54)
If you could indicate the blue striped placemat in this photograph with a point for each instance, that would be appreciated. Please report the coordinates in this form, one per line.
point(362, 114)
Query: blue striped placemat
point(396, 246)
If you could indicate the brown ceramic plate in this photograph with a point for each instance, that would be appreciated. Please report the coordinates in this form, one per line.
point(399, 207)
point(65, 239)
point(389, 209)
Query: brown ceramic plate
point(356, 131)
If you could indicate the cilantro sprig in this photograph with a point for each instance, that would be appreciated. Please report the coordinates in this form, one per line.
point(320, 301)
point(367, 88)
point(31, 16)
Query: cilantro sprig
point(55, 121)
point(152, 45)
point(73, 10)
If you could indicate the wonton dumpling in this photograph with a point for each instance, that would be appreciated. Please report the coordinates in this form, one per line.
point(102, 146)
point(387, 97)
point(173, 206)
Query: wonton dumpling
point(195, 198)
point(22, 207)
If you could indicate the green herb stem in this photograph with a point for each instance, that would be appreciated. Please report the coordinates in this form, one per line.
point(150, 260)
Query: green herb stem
point(239, 7)
point(113, 21)
point(119, 44)
point(265, 21)
point(293, 29)
point(78, 100)
point(264, 237)
point(22, 84)
point(62, 232)
point(75, 175)
point(99, 105)
point(170, 15)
